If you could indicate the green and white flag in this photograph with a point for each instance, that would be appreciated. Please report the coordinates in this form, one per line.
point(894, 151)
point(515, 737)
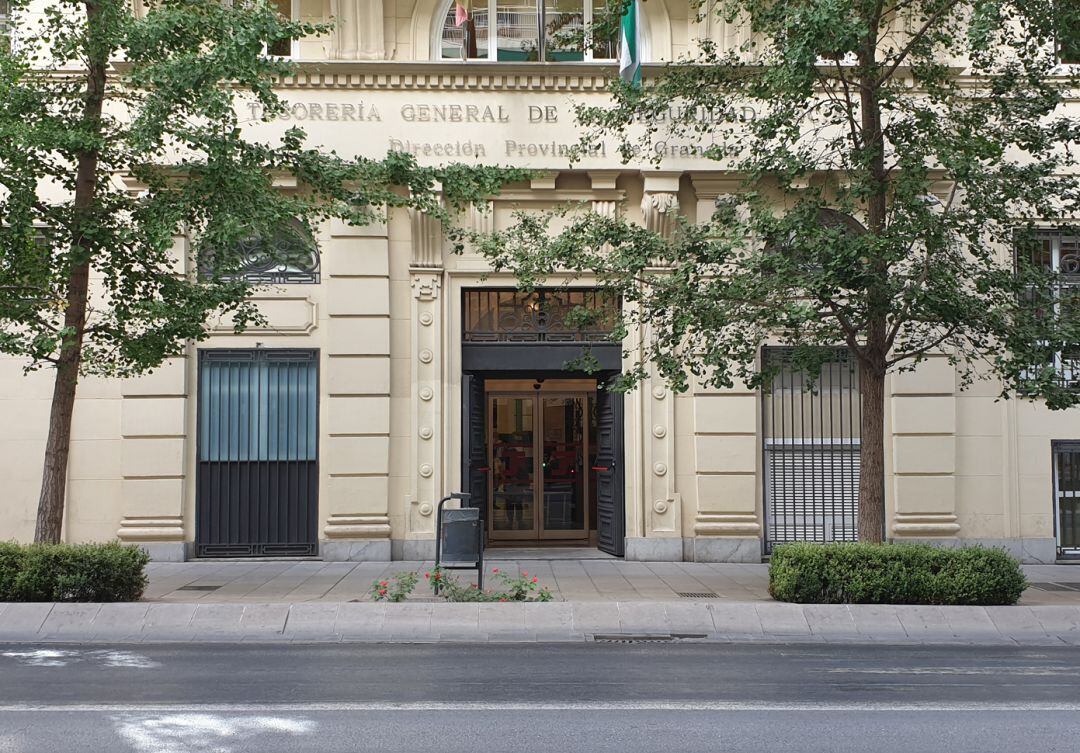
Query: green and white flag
point(630, 47)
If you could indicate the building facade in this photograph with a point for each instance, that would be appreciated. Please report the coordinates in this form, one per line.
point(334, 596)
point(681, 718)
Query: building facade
point(391, 371)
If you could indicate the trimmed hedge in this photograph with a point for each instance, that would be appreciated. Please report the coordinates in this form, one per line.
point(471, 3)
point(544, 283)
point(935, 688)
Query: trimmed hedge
point(72, 572)
point(894, 574)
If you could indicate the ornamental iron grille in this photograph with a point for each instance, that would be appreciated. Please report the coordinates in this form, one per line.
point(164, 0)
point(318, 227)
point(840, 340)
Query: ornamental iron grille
point(288, 255)
point(1067, 497)
point(1057, 253)
point(811, 442)
point(552, 316)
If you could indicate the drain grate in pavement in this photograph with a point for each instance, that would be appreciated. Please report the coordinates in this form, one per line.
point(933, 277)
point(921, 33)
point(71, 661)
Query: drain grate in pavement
point(696, 594)
point(645, 637)
point(198, 588)
point(1056, 586)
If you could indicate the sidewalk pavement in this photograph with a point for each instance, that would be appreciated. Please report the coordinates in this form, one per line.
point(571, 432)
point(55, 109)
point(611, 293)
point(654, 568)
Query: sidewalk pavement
point(568, 579)
point(578, 621)
point(597, 600)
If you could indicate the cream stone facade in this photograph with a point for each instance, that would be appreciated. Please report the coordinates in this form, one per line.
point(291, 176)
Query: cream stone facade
point(385, 324)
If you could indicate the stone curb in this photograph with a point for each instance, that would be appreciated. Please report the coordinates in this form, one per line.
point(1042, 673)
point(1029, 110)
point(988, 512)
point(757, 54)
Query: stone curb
point(574, 622)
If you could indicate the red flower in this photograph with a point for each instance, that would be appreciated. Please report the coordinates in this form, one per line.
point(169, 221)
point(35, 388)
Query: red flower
point(494, 569)
point(524, 573)
point(502, 599)
point(427, 575)
point(535, 580)
point(435, 576)
point(382, 592)
point(383, 583)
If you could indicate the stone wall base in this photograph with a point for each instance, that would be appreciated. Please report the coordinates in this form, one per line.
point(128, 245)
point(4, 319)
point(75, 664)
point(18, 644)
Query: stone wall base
point(355, 550)
point(641, 549)
point(722, 549)
point(165, 551)
point(413, 550)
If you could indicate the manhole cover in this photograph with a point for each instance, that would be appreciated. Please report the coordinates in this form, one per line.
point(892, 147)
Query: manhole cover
point(696, 594)
point(198, 588)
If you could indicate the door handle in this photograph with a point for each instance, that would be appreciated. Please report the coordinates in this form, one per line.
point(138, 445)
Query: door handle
point(600, 468)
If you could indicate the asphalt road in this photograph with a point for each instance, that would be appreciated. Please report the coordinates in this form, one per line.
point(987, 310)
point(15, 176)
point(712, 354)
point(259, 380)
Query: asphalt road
point(526, 698)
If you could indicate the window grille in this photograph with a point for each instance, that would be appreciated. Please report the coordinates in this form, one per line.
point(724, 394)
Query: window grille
point(811, 431)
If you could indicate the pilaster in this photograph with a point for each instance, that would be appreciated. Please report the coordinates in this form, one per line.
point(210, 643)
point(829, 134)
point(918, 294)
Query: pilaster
point(154, 449)
point(356, 409)
point(923, 417)
point(427, 428)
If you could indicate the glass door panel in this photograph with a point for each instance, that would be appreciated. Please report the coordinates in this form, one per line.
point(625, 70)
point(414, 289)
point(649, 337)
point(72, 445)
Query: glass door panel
point(513, 467)
point(565, 439)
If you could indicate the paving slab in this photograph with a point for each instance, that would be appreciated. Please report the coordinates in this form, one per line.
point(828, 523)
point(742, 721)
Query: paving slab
point(643, 617)
point(23, 619)
point(362, 621)
point(313, 621)
point(168, 622)
point(407, 621)
point(736, 619)
point(120, 621)
point(69, 620)
point(691, 617)
point(878, 622)
point(551, 620)
point(833, 620)
point(925, 623)
point(595, 617)
point(262, 619)
point(971, 624)
point(783, 619)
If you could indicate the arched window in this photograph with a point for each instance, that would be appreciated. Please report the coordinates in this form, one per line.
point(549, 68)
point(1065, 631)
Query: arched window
point(524, 30)
point(289, 255)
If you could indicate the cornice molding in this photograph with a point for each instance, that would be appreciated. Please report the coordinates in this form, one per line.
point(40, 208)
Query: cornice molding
point(451, 76)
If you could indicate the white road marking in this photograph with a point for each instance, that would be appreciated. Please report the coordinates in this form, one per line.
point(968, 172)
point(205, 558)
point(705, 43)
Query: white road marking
point(63, 657)
point(1024, 671)
point(182, 733)
point(585, 706)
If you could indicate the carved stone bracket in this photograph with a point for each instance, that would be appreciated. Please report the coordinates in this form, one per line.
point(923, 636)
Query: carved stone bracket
point(426, 287)
point(659, 211)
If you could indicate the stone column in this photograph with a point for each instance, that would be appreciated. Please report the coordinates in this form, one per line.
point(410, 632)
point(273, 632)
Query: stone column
point(358, 34)
point(154, 446)
point(356, 412)
point(923, 415)
point(426, 397)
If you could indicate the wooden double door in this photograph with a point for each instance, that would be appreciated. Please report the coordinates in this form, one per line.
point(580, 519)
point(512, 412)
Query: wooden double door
point(542, 460)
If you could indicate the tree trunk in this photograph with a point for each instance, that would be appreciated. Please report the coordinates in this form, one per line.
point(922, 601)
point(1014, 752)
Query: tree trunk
point(874, 354)
point(50, 514)
point(872, 456)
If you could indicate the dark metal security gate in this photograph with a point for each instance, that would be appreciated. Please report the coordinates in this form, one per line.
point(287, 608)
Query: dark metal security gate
point(811, 430)
point(1067, 497)
point(610, 513)
point(257, 480)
